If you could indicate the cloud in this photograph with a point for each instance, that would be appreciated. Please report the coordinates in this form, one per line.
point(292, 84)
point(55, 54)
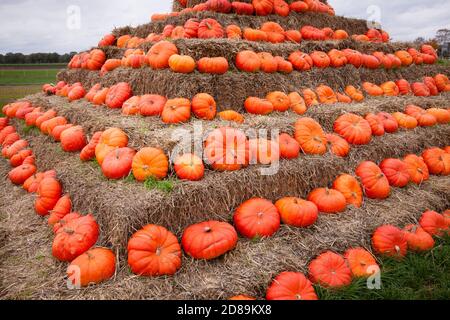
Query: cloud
point(35, 26)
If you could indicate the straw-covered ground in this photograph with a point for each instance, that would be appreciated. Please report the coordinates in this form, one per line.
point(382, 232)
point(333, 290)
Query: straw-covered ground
point(28, 271)
point(293, 21)
point(124, 206)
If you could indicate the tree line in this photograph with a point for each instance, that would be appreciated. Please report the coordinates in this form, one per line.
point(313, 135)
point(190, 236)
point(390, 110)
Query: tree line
point(35, 58)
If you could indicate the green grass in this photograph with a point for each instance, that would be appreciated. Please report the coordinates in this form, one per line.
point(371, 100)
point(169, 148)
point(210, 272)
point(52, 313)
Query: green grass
point(164, 185)
point(39, 65)
point(27, 77)
point(10, 94)
point(445, 62)
point(424, 276)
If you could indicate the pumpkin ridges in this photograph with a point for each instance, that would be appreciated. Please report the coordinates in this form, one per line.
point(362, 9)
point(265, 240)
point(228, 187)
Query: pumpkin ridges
point(389, 241)
point(330, 270)
point(154, 251)
point(257, 218)
point(209, 240)
point(291, 286)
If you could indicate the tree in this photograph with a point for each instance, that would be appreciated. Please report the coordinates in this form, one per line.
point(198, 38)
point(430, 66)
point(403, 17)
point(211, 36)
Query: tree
point(443, 36)
point(420, 40)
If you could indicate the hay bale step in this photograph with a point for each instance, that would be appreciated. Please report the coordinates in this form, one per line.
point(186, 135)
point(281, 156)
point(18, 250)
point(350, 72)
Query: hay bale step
point(122, 207)
point(232, 88)
point(247, 270)
point(293, 21)
point(151, 131)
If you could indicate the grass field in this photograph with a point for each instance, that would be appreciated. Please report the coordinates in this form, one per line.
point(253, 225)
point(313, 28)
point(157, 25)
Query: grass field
point(17, 81)
point(422, 276)
point(27, 77)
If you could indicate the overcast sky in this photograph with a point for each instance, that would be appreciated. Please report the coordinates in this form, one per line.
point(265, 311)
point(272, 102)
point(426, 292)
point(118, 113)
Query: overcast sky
point(55, 26)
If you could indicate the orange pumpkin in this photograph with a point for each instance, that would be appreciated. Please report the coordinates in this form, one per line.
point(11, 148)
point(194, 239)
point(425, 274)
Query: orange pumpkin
point(354, 93)
point(258, 106)
point(217, 65)
point(154, 251)
point(176, 111)
point(92, 267)
point(223, 155)
point(209, 240)
point(326, 95)
point(189, 167)
point(310, 98)
point(375, 124)
point(160, 53)
point(289, 147)
point(248, 61)
point(301, 61)
point(417, 169)
point(434, 223)
point(204, 106)
point(150, 163)
point(350, 189)
point(310, 135)
point(330, 270)
point(338, 145)
point(390, 89)
point(437, 161)
point(110, 140)
point(257, 218)
point(396, 171)
point(328, 200)
point(405, 121)
point(404, 57)
point(361, 262)
point(390, 241)
point(418, 239)
point(297, 212)
point(182, 63)
point(297, 103)
point(375, 183)
point(353, 128)
point(372, 89)
point(268, 62)
point(338, 58)
point(320, 59)
point(231, 115)
point(280, 101)
point(442, 116)
point(209, 28)
point(291, 286)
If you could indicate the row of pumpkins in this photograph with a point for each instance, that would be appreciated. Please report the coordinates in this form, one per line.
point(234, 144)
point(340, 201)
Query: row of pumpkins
point(203, 106)
point(117, 160)
point(256, 7)
point(74, 234)
point(165, 54)
point(270, 31)
point(255, 218)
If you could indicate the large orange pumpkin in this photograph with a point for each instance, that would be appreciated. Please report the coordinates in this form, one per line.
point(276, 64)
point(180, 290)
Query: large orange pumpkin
point(150, 163)
point(361, 262)
point(118, 94)
point(375, 183)
point(297, 212)
point(291, 286)
point(418, 239)
point(338, 145)
point(328, 200)
point(353, 128)
point(209, 240)
point(227, 149)
point(160, 53)
point(176, 111)
point(289, 147)
point(92, 267)
point(437, 161)
point(257, 218)
point(258, 106)
point(434, 223)
point(417, 169)
point(189, 167)
point(390, 241)
point(396, 171)
point(154, 251)
point(310, 135)
point(330, 270)
point(204, 106)
point(110, 140)
point(75, 238)
point(350, 189)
